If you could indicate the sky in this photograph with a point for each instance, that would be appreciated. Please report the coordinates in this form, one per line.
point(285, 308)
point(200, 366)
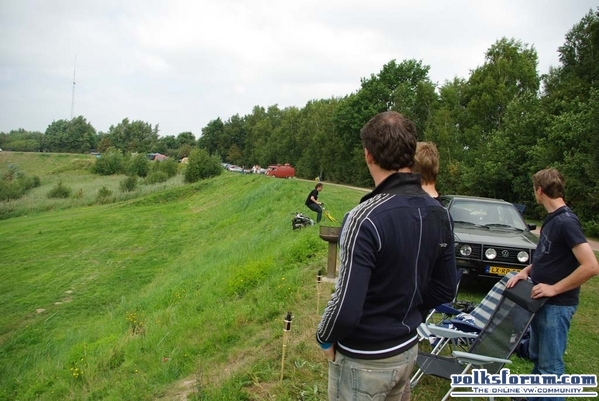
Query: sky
point(181, 63)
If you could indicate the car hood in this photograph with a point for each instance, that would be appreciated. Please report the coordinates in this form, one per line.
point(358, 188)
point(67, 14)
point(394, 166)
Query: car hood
point(493, 236)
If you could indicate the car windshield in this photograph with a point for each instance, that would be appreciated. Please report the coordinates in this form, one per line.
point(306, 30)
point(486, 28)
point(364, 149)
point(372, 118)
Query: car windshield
point(487, 214)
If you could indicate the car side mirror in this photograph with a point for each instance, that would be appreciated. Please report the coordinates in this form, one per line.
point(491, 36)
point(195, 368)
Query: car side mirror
point(532, 227)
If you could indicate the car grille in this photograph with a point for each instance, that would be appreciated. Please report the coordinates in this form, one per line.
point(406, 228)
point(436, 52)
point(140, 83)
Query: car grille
point(506, 255)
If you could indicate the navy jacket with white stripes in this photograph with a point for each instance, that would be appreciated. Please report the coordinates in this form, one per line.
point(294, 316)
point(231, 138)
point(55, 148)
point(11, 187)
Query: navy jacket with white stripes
point(397, 262)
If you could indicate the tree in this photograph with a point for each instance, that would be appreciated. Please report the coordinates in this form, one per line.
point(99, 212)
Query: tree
point(201, 166)
point(74, 136)
point(571, 101)
point(509, 71)
point(210, 136)
point(22, 140)
point(403, 87)
point(137, 136)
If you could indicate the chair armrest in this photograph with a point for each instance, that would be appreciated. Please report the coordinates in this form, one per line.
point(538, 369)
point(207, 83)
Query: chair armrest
point(465, 326)
point(448, 333)
point(477, 359)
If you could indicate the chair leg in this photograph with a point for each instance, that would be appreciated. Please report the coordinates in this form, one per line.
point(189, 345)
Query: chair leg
point(448, 394)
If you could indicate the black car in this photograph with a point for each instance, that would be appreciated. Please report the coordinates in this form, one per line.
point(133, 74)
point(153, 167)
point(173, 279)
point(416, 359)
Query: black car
point(491, 236)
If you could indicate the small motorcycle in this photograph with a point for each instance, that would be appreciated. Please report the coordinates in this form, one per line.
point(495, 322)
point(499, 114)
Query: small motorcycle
point(299, 221)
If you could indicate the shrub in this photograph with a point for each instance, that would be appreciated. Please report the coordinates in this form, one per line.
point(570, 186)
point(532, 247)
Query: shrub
point(14, 183)
point(10, 190)
point(591, 228)
point(201, 166)
point(111, 162)
point(103, 195)
point(128, 184)
point(59, 191)
point(156, 177)
point(28, 183)
point(139, 165)
point(170, 167)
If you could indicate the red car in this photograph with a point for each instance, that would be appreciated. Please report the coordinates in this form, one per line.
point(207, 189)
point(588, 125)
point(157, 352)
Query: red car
point(281, 171)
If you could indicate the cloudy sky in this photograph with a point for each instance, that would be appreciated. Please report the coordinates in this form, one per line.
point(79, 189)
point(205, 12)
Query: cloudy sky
point(182, 63)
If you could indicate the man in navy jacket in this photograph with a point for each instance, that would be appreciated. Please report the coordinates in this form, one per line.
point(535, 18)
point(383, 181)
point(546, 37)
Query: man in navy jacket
point(397, 262)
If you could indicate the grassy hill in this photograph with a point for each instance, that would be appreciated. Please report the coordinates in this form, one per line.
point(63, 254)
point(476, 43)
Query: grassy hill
point(177, 293)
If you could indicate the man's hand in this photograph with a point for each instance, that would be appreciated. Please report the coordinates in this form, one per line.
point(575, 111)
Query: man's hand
point(330, 353)
point(543, 290)
point(522, 275)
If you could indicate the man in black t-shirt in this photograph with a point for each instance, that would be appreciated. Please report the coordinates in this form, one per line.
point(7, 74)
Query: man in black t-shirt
point(313, 203)
point(562, 262)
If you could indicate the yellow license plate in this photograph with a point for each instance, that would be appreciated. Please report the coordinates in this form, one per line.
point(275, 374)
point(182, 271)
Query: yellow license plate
point(502, 271)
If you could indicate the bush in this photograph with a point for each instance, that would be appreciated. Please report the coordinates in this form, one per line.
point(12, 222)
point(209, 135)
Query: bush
point(139, 165)
point(201, 166)
point(28, 183)
point(111, 162)
point(59, 191)
point(591, 228)
point(10, 190)
point(103, 195)
point(156, 177)
point(168, 166)
point(128, 184)
point(14, 183)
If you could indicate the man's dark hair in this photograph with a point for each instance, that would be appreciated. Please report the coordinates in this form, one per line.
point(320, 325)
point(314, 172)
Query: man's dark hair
point(391, 140)
point(551, 182)
point(319, 185)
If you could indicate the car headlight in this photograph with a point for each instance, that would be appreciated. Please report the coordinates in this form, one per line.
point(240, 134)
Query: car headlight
point(523, 256)
point(491, 253)
point(465, 250)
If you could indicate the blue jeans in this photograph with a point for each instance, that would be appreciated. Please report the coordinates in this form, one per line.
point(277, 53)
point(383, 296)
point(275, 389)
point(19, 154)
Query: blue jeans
point(316, 208)
point(386, 379)
point(548, 340)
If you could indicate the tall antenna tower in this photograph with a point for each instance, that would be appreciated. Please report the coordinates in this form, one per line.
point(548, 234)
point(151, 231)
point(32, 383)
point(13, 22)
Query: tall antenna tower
point(73, 96)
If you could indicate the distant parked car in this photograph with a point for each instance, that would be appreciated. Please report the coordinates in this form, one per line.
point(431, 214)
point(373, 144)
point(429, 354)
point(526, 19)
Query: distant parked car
point(281, 171)
point(236, 169)
point(491, 236)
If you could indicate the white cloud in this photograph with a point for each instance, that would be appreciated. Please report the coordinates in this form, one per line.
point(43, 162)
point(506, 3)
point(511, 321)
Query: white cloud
point(182, 63)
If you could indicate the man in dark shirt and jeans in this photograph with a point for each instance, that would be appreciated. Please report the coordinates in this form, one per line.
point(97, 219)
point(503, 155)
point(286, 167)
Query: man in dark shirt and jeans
point(397, 259)
point(562, 262)
point(313, 203)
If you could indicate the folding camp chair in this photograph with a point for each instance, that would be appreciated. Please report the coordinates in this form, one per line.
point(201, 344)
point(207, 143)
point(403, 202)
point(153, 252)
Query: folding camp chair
point(452, 330)
point(478, 317)
point(495, 343)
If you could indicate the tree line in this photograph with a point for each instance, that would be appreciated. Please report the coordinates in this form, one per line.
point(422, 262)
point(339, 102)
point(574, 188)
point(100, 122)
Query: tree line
point(493, 129)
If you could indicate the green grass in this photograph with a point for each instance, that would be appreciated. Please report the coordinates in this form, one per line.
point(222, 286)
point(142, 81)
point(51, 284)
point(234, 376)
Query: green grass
point(180, 293)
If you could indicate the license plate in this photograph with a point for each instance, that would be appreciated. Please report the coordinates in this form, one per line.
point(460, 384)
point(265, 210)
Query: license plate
point(501, 271)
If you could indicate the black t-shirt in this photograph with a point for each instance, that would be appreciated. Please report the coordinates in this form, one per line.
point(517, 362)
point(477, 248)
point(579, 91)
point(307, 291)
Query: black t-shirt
point(314, 194)
point(553, 259)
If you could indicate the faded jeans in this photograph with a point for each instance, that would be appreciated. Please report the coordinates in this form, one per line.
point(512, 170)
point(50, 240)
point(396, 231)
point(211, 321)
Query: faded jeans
point(548, 340)
point(386, 379)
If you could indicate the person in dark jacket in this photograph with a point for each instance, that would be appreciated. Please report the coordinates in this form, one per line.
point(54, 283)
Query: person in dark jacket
point(397, 262)
point(313, 203)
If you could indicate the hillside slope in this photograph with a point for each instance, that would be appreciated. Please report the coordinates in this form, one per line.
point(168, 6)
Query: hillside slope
point(106, 302)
